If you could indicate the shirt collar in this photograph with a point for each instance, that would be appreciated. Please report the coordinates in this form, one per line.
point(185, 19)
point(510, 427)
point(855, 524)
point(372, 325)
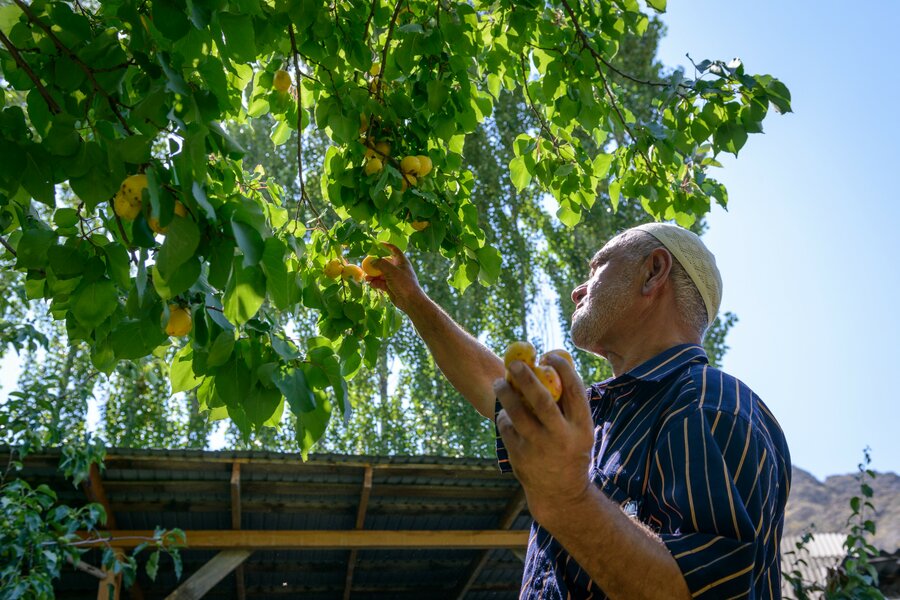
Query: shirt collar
point(660, 366)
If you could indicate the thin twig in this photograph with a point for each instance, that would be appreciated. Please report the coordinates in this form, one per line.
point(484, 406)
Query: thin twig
point(51, 103)
point(304, 197)
point(74, 57)
point(8, 247)
point(89, 569)
point(544, 125)
point(598, 60)
point(387, 43)
point(369, 20)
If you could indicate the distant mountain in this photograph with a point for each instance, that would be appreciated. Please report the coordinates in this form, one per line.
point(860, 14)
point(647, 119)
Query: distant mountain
point(827, 505)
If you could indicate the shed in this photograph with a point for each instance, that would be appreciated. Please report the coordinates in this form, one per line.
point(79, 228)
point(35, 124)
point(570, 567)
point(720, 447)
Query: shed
point(269, 525)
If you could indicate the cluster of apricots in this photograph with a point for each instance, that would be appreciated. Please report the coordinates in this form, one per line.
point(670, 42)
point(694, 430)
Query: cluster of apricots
point(339, 267)
point(546, 374)
point(128, 202)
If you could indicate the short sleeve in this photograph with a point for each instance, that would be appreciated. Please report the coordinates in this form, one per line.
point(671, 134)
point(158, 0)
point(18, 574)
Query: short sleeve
point(704, 497)
point(502, 456)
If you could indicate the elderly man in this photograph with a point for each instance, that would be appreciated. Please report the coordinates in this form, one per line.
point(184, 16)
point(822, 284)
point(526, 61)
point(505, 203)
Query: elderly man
point(668, 480)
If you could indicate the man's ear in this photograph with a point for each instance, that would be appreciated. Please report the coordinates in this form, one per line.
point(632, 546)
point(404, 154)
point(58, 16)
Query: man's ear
point(657, 268)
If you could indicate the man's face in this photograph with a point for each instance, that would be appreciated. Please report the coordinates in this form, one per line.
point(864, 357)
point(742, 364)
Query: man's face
point(604, 299)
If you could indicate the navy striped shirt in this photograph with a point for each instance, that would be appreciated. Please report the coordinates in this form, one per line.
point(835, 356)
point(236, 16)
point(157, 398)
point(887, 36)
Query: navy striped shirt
point(695, 455)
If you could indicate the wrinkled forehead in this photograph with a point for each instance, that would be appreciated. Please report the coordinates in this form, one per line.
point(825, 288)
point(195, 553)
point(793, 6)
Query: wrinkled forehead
point(613, 247)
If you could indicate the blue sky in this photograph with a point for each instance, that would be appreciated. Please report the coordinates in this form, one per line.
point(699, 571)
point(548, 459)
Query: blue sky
point(808, 248)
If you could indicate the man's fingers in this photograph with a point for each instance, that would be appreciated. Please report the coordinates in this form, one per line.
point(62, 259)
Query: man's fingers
point(573, 401)
point(519, 413)
point(536, 396)
point(397, 252)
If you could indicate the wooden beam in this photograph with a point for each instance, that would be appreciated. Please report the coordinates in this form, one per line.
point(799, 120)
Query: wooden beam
point(310, 539)
point(110, 587)
point(360, 521)
point(209, 575)
point(240, 587)
point(95, 492)
point(512, 511)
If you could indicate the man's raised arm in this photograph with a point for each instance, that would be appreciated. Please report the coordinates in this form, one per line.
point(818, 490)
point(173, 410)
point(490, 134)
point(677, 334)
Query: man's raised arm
point(467, 363)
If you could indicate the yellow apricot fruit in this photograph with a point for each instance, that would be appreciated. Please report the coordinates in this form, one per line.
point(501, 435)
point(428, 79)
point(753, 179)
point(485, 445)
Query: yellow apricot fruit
point(410, 164)
point(180, 322)
point(282, 80)
point(363, 123)
point(373, 165)
point(550, 378)
point(333, 268)
point(523, 351)
point(383, 149)
point(370, 269)
point(353, 272)
point(408, 180)
point(420, 225)
point(128, 200)
point(425, 165)
point(375, 69)
point(560, 352)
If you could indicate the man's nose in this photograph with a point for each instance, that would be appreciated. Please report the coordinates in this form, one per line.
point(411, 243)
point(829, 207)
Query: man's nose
point(578, 293)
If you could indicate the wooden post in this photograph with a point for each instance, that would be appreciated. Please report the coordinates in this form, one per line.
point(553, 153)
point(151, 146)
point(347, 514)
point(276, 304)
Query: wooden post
point(513, 508)
point(209, 575)
point(360, 521)
point(240, 588)
point(111, 585)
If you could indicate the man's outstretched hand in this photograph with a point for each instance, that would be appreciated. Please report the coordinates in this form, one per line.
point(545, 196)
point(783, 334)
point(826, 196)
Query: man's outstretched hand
point(398, 279)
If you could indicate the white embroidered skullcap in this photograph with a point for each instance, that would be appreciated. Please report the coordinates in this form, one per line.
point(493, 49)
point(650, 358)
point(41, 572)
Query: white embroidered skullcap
point(699, 263)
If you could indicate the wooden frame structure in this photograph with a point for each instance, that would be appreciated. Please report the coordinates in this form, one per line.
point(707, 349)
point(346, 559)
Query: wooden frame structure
point(261, 525)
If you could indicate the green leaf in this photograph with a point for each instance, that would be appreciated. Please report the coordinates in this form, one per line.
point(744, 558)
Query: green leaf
point(240, 39)
point(250, 242)
point(181, 372)
point(615, 187)
point(178, 282)
point(299, 397)
point(136, 339)
point(117, 265)
point(245, 294)
point(263, 405)
point(221, 349)
point(311, 425)
point(518, 173)
point(491, 262)
point(94, 303)
point(31, 251)
point(36, 179)
point(601, 165)
point(281, 133)
point(658, 5)
point(182, 240)
point(280, 284)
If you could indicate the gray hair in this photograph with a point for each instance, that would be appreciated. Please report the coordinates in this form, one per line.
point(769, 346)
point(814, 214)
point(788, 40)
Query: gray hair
point(638, 245)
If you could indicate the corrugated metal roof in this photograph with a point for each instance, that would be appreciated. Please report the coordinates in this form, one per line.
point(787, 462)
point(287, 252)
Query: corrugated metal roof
point(822, 552)
point(191, 490)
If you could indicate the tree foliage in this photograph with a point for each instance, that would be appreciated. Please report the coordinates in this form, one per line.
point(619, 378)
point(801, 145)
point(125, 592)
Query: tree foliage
point(94, 95)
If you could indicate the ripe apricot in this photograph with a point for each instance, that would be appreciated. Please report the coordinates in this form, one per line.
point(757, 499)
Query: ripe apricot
point(180, 322)
point(128, 200)
point(353, 272)
point(180, 211)
point(425, 165)
point(560, 352)
point(370, 269)
point(282, 80)
point(333, 268)
point(420, 225)
point(410, 164)
point(523, 351)
point(373, 165)
point(408, 180)
point(550, 378)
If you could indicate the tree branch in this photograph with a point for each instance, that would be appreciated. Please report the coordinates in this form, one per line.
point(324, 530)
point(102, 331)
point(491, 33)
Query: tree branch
point(387, 43)
point(598, 61)
point(8, 247)
point(74, 57)
point(369, 20)
point(545, 127)
point(51, 103)
point(304, 197)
